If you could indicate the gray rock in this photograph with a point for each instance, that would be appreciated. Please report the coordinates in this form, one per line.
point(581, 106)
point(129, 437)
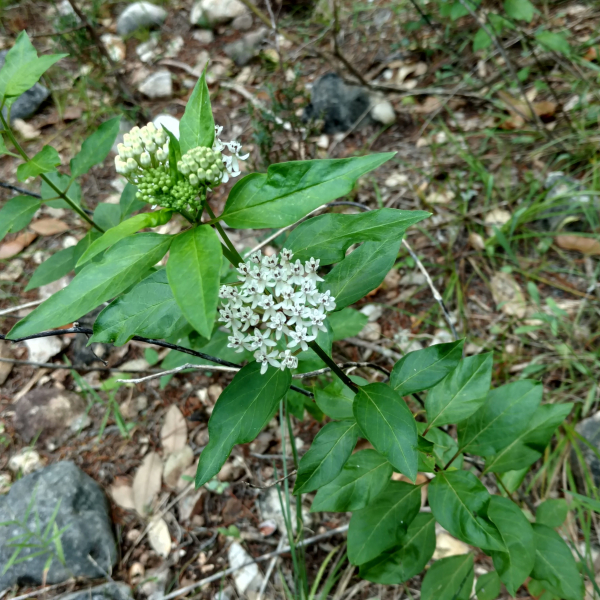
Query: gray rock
point(242, 51)
point(27, 104)
point(589, 429)
point(138, 15)
point(107, 591)
point(338, 104)
point(243, 22)
point(573, 211)
point(47, 412)
point(82, 510)
point(158, 85)
point(210, 13)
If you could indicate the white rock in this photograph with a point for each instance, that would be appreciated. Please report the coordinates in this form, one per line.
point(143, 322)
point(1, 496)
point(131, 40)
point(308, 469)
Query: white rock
point(147, 51)
point(137, 364)
point(247, 578)
point(323, 141)
point(25, 461)
point(43, 349)
point(383, 112)
point(140, 14)
point(174, 47)
point(396, 179)
point(45, 291)
point(114, 46)
point(68, 241)
point(13, 271)
point(204, 36)
point(372, 311)
point(446, 545)
point(371, 332)
point(243, 22)
point(168, 122)
point(270, 509)
point(158, 85)
point(496, 218)
point(64, 9)
point(215, 12)
point(413, 278)
point(5, 483)
point(176, 464)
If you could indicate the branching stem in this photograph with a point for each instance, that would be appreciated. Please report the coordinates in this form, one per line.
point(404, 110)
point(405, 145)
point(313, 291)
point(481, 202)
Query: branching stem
point(335, 369)
point(234, 253)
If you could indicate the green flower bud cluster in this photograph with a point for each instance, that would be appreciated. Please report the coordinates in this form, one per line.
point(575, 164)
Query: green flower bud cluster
point(182, 195)
point(153, 183)
point(202, 166)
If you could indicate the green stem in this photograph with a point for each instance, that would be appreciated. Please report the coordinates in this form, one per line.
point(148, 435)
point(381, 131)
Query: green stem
point(329, 362)
point(227, 254)
point(219, 228)
point(25, 157)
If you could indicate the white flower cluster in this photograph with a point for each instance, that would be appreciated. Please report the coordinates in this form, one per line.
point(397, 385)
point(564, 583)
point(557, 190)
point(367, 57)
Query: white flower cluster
point(232, 166)
point(283, 296)
point(142, 149)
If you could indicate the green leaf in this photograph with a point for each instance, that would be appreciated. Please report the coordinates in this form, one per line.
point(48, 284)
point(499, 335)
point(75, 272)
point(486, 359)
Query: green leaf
point(107, 215)
point(17, 213)
point(481, 40)
point(396, 566)
point(388, 424)
point(95, 148)
point(197, 124)
point(120, 267)
point(422, 369)
point(361, 271)
point(457, 500)
point(326, 456)
point(54, 268)
point(128, 202)
point(125, 229)
point(62, 182)
point(148, 309)
point(530, 444)
point(555, 565)
point(383, 523)
point(513, 565)
point(346, 323)
point(364, 475)
point(328, 237)
point(488, 586)
point(194, 271)
point(552, 513)
point(4, 150)
point(449, 579)
point(520, 10)
point(444, 448)
point(506, 412)
point(43, 162)
point(461, 392)
point(22, 67)
point(589, 503)
point(242, 410)
point(174, 154)
point(336, 399)
point(289, 191)
point(557, 42)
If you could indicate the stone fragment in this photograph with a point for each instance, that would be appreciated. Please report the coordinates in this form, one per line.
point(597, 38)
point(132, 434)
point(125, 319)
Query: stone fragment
point(242, 51)
point(209, 13)
point(383, 112)
point(43, 349)
point(81, 508)
point(158, 85)
point(114, 46)
point(107, 591)
point(138, 15)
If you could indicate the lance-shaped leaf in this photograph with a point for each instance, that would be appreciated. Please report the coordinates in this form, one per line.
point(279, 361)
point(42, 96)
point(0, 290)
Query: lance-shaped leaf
point(361, 271)
point(457, 500)
point(197, 124)
point(449, 579)
point(326, 456)
point(364, 475)
point(128, 202)
point(43, 162)
point(552, 512)
point(125, 229)
point(384, 522)
point(289, 191)
point(121, 266)
point(515, 564)
point(396, 566)
point(241, 412)
point(346, 323)
point(327, 237)
point(388, 424)
point(17, 214)
point(148, 309)
point(554, 564)
point(58, 265)
point(422, 369)
point(506, 412)
point(194, 272)
point(95, 148)
point(460, 393)
point(336, 399)
point(530, 443)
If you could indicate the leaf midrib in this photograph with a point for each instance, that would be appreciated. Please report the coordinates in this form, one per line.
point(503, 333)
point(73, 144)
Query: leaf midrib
point(431, 366)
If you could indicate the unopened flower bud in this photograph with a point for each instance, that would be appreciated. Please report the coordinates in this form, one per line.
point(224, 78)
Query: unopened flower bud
point(194, 179)
point(145, 159)
point(131, 165)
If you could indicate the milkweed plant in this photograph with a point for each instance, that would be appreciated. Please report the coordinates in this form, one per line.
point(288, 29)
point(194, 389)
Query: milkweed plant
point(435, 415)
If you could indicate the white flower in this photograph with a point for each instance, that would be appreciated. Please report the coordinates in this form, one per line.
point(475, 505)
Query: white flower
point(281, 295)
point(232, 165)
point(266, 360)
point(300, 337)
